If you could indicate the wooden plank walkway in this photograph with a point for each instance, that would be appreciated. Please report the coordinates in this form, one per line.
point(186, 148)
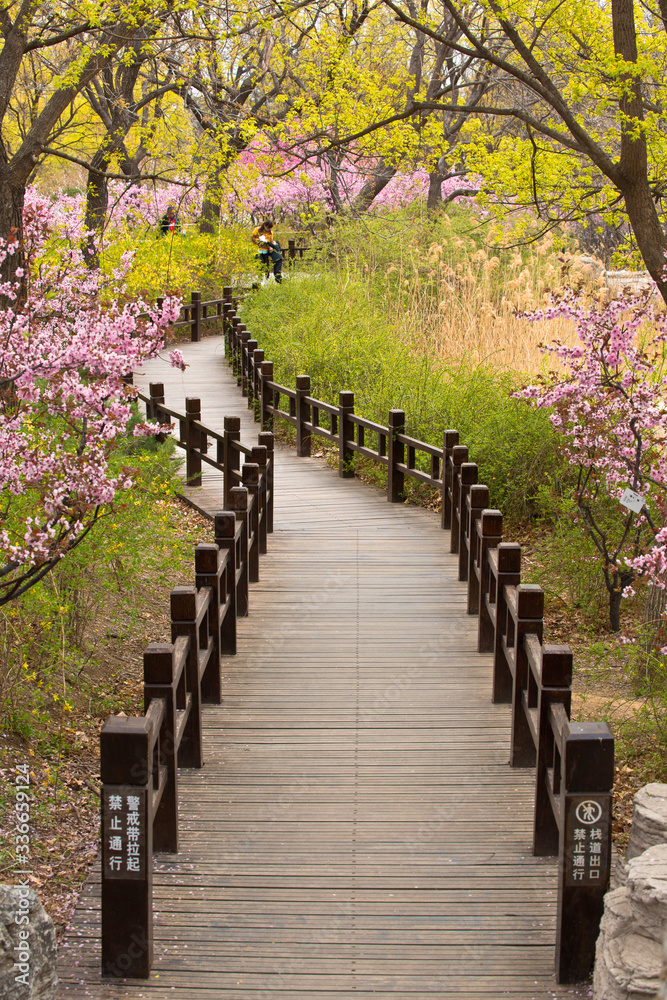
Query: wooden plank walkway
point(355, 830)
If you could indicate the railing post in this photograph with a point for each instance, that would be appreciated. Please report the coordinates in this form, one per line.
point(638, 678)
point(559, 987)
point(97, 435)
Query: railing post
point(583, 871)
point(231, 456)
point(242, 336)
point(266, 396)
point(156, 393)
point(257, 361)
point(224, 532)
point(259, 457)
point(238, 502)
point(458, 456)
point(395, 456)
point(127, 848)
point(345, 435)
point(209, 572)
point(159, 683)
point(291, 249)
point(490, 534)
point(184, 623)
point(529, 618)
point(244, 340)
point(554, 689)
point(478, 501)
point(250, 348)
point(467, 478)
point(192, 442)
point(250, 479)
point(509, 575)
point(196, 317)
point(302, 416)
point(449, 440)
point(266, 439)
point(227, 317)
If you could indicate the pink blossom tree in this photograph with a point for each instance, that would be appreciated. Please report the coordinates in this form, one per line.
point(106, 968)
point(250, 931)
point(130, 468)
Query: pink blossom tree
point(68, 342)
point(608, 398)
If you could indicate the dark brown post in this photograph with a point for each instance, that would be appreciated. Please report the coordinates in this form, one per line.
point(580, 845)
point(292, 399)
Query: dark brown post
point(227, 316)
point(458, 456)
point(238, 502)
point(266, 396)
point(250, 474)
point(127, 880)
point(257, 361)
point(588, 775)
point(251, 347)
point(209, 572)
point(196, 317)
point(266, 439)
point(159, 683)
point(490, 535)
point(508, 575)
point(242, 377)
point(528, 601)
point(302, 416)
point(450, 439)
point(184, 623)
point(345, 435)
point(192, 442)
point(231, 455)
point(156, 393)
point(291, 249)
point(242, 336)
point(395, 457)
point(259, 457)
point(555, 689)
point(224, 531)
point(478, 501)
point(467, 479)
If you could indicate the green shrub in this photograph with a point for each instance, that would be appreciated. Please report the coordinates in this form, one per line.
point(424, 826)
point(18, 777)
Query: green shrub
point(337, 332)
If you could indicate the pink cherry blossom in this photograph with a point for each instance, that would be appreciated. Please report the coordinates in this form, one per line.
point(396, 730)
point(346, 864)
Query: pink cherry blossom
point(70, 339)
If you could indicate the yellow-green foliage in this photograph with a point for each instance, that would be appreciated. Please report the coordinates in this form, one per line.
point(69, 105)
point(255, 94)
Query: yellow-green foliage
point(172, 263)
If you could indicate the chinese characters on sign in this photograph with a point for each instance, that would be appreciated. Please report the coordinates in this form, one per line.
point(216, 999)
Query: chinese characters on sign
point(587, 844)
point(124, 834)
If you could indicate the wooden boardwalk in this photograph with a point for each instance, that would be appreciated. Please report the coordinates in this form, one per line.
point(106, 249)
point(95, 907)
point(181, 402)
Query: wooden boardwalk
point(355, 830)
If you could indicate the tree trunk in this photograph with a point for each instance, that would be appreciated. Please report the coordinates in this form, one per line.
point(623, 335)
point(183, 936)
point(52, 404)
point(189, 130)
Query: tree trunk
point(633, 160)
point(434, 198)
point(209, 219)
point(12, 197)
point(648, 231)
point(97, 203)
point(615, 598)
point(378, 181)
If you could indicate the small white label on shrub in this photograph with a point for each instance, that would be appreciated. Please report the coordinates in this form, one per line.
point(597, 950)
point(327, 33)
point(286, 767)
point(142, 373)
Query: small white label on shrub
point(632, 500)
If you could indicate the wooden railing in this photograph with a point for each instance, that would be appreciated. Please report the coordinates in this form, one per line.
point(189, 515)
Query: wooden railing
point(574, 762)
point(140, 756)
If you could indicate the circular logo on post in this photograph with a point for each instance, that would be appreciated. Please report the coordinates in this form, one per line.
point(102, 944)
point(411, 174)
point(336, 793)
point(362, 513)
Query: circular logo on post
point(589, 812)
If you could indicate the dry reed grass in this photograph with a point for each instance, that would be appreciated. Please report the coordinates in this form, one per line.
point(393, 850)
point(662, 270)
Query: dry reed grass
point(459, 302)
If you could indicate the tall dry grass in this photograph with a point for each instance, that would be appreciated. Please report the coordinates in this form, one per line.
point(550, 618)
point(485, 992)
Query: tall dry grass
point(459, 301)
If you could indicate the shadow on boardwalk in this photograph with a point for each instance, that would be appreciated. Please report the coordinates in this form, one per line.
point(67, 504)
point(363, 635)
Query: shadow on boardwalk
point(355, 830)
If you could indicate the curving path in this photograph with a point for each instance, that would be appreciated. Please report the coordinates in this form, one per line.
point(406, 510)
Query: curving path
point(356, 830)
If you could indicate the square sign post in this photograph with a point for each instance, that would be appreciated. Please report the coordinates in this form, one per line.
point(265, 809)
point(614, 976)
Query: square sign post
point(584, 861)
point(127, 848)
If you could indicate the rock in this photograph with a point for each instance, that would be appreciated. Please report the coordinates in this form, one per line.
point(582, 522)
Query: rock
point(634, 281)
point(631, 968)
point(649, 820)
point(27, 946)
point(629, 952)
point(647, 885)
point(649, 825)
